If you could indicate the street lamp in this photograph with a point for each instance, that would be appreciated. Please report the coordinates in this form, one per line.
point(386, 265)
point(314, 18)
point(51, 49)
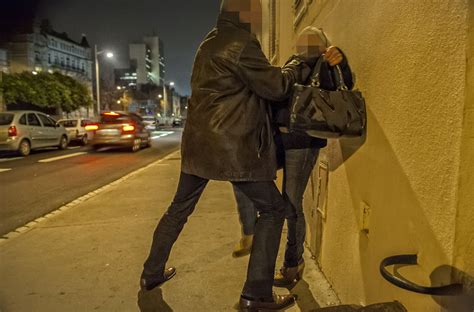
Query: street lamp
point(97, 76)
point(166, 97)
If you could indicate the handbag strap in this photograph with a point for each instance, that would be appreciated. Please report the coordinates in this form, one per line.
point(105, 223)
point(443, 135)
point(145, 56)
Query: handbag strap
point(316, 75)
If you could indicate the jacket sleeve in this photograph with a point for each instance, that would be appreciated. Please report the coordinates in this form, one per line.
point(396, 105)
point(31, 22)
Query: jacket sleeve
point(270, 82)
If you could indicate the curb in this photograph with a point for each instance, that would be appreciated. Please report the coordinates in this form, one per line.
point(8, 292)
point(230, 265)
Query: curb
point(33, 224)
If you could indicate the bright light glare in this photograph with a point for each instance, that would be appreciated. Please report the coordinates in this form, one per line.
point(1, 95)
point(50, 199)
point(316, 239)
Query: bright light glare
point(92, 127)
point(171, 83)
point(110, 55)
point(128, 128)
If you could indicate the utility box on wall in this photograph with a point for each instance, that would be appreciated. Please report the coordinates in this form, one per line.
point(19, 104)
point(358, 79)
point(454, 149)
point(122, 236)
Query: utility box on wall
point(315, 204)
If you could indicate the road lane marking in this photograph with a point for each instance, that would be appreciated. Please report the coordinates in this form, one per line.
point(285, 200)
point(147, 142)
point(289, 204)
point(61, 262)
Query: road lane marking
point(5, 170)
point(10, 159)
point(161, 134)
point(48, 160)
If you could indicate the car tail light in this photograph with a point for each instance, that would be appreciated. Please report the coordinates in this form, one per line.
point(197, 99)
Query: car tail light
point(128, 128)
point(92, 127)
point(12, 131)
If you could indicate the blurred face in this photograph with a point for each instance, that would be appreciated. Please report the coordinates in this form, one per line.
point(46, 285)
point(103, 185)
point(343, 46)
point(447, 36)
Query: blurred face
point(310, 44)
point(250, 12)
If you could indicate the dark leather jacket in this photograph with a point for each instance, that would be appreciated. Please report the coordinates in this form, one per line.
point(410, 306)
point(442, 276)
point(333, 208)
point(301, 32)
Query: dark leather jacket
point(228, 134)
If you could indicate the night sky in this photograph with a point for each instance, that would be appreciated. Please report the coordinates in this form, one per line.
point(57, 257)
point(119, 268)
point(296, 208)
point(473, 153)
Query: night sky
point(112, 24)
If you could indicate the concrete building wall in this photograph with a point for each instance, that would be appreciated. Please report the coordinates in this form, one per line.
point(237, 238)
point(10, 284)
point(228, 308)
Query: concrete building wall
point(464, 243)
point(157, 59)
point(413, 173)
point(138, 52)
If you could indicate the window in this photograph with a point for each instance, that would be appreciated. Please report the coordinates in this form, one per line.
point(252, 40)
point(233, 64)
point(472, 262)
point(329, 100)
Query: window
point(85, 123)
point(46, 121)
point(6, 118)
point(23, 119)
point(69, 123)
point(33, 120)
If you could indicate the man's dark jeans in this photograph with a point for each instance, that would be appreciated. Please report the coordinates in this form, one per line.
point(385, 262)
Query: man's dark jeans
point(271, 208)
point(296, 172)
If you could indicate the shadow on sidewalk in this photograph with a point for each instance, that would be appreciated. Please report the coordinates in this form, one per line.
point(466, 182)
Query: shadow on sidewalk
point(152, 301)
point(305, 299)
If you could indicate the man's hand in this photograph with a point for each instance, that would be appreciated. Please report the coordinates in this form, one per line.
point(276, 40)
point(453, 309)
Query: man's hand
point(333, 56)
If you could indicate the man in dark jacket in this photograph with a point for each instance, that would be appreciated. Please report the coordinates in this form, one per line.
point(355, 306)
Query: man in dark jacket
point(228, 137)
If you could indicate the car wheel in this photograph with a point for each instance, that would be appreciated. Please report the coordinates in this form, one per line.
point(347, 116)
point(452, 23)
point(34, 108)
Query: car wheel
point(63, 143)
point(137, 142)
point(24, 148)
point(84, 140)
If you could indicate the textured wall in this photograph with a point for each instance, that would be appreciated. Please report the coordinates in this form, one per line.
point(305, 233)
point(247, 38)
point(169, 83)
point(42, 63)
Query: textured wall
point(464, 244)
point(410, 61)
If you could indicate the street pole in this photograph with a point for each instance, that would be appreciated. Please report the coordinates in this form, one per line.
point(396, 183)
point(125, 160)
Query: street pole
point(97, 83)
point(165, 101)
point(2, 105)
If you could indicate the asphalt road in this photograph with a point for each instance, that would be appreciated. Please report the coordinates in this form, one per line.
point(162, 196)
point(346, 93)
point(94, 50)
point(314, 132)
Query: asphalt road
point(33, 186)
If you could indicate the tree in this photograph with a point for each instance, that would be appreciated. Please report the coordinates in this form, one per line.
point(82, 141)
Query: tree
point(45, 91)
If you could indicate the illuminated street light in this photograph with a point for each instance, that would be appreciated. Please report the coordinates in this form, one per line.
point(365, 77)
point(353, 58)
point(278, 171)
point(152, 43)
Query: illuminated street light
point(172, 83)
point(160, 96)
point(119, 88)
point(108, 54)
point(34, 73)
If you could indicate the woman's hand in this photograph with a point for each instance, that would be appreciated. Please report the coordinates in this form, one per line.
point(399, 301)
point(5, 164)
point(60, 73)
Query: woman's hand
point(333, 56)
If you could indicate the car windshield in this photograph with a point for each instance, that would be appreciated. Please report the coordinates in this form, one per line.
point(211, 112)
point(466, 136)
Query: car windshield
point(6, 119)
point(68, 123)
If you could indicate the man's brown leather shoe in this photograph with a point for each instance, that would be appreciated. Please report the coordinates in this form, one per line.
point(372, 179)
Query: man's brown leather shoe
point(148, 283)
point(278, 302)
point(288, 276)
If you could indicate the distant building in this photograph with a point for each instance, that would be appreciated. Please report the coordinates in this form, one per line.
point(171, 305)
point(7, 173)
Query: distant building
point(147, 65)
point(4, 64)
point(40, 48)
point(157, 58)
point(126, 77)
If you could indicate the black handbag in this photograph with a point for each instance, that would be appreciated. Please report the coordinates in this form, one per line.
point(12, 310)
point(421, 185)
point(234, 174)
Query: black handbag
point(327, 114)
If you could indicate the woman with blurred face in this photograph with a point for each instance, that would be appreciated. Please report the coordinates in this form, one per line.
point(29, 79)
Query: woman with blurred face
point(300, 156)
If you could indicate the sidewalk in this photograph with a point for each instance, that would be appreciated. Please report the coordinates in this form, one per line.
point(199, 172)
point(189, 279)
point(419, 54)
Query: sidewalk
point(89, 256)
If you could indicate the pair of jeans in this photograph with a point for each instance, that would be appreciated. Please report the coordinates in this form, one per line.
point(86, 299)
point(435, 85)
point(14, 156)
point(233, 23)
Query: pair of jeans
point(297, 169)
point(266, 199)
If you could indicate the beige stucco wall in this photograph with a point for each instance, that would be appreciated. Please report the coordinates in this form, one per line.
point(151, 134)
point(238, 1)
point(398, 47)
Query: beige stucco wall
point(464, 243)
point(410, 63)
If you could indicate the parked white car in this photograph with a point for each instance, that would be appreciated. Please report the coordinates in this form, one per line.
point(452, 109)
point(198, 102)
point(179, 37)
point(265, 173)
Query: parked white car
point(76, 129)
point(150, 122)
point(22, 131)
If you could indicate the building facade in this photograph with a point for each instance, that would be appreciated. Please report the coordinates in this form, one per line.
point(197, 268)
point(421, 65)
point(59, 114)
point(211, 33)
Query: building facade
point(4, 63)
point(43, 49)
point(146, 64)
point(407, 187)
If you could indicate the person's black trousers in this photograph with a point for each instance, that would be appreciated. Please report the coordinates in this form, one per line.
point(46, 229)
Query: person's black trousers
point(271, 207)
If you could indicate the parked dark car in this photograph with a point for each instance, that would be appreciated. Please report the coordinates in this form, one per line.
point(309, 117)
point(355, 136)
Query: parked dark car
point(120, 129)
point(177, 122)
